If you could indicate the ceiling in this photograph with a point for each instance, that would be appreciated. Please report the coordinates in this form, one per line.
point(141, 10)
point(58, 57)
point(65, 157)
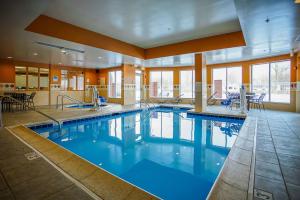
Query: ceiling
point(147, 24)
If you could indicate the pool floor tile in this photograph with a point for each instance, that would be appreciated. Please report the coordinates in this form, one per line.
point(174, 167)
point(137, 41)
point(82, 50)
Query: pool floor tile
point(289, 161)
point(268, 170)
point(70, 193)
point(294, 191)
point(266, 156)
point(276, 188)
point(40, 187)
point(6, 195)
point(291, 175)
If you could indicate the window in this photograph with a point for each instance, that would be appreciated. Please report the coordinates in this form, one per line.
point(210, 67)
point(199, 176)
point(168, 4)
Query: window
point(138, 86)
point(80, 82)
point(161, 84)
point(187, 84)
point(21, 80)
point(32, 78)
point(115, 82)
point(228, 79)
point(64, 80)
point(44, 79)
point(273, 79)
point(72, 80)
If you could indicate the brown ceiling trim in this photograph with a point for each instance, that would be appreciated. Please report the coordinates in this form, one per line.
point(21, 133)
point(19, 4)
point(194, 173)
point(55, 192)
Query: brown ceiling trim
point(229, 40)
point(52, 27)
point(55, 28)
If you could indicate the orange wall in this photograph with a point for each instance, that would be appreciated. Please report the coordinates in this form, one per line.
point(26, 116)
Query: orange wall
point(7, 72)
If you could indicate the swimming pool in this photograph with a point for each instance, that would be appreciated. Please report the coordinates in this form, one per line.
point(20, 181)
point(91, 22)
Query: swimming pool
point(165, 151)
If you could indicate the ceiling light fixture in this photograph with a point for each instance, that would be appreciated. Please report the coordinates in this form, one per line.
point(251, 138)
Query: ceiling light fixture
point(59, 63)
point(35, 54)
point(99, 57)
point(62, 49)
point(9, 57)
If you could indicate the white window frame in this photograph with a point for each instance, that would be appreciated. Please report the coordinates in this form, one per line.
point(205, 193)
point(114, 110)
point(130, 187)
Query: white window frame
point(270, 81)
point(193, 85)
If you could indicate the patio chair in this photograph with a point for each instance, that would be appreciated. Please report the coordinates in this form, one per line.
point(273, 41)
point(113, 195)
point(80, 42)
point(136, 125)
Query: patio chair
point(258, 102)
point(29, 99)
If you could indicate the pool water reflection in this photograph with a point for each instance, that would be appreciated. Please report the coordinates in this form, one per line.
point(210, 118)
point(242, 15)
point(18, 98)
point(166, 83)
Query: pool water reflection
point(166, 152)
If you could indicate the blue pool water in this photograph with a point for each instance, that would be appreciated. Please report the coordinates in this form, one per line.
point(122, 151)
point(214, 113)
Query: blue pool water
point(167, 152)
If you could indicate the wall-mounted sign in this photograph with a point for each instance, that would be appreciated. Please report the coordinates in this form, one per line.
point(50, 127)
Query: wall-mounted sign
point(55, 78)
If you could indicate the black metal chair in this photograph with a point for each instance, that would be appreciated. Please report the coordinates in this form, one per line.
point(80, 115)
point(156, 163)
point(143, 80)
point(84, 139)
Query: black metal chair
point(29, 99)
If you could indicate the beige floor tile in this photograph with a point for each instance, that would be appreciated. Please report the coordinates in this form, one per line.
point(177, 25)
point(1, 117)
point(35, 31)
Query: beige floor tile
point(57, 155)
point(77, 167)
point(236, 174)
point(223, 191)
point(107, 186)
point(137, 194)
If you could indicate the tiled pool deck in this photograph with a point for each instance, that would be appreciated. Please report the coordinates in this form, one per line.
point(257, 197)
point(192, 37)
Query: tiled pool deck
point(235, 181)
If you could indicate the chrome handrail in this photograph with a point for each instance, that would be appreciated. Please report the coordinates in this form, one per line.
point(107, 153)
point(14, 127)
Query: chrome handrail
point(67, 97)
point(33, 108)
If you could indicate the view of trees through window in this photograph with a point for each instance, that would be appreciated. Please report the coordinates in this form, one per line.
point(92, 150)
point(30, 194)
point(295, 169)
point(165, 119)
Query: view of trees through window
point(115, 84)
point(161, 84)
point(228, 79)
point(187, 85)
point(273, 79)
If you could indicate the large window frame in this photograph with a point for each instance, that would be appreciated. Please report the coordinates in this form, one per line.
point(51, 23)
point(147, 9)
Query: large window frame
point(115, 84)
point(269, 93)
point(227, 89)
point(32, 78)
point(72, 80)
point(181, 91)
point(161, 84)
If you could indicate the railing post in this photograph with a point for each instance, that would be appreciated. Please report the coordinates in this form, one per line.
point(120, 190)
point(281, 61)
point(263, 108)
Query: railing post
point(1, 113)
point(62, 103)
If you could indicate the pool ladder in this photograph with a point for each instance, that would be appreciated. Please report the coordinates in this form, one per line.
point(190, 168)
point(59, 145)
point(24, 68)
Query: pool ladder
point(63, 96)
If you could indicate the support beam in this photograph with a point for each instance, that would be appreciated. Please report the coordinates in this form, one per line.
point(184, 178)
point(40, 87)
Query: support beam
point(228, 40)
point(128, 84)
point(200, 83)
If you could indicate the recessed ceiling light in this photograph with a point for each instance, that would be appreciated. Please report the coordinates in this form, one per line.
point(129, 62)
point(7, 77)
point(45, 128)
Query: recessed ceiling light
point(35, 54)
point(99, 57)
point(63, 50)
point(9, 57)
